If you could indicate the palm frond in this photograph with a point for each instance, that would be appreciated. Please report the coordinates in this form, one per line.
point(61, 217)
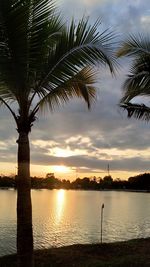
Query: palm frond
point(28, 29)
point(79, 46)
point(137, 82)
point(3, 102)
point(135, 46)
point(14, 25)
point(137, 111)
point(136, 85)
point(45, 27)
point(80, 85)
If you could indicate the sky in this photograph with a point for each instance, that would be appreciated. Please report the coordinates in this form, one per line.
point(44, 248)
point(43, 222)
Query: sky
point(74, 142)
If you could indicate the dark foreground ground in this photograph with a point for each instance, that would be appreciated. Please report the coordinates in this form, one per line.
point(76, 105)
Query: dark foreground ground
point(121, 254)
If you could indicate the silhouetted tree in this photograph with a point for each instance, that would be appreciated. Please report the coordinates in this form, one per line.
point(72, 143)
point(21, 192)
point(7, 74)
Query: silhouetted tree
point(65, 184)
point(106, 182)
point(140, 182)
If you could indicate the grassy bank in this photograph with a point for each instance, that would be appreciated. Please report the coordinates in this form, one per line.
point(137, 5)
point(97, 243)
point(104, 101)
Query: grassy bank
point(126, 254)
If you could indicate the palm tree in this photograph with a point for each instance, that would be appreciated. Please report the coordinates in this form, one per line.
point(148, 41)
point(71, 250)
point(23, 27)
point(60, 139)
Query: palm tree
point(43, 64)
point(138, 81)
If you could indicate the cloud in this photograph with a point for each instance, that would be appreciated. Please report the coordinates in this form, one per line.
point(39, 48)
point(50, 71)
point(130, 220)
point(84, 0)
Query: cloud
point(132, 164)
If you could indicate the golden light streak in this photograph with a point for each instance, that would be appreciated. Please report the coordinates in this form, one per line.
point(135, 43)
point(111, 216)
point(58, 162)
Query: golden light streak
point(60, 199)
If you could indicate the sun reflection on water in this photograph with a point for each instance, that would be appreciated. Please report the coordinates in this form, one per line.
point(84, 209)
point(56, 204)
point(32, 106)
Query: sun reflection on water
point(60, 201)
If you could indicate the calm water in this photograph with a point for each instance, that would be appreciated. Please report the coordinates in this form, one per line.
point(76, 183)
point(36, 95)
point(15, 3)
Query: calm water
point(63, 217)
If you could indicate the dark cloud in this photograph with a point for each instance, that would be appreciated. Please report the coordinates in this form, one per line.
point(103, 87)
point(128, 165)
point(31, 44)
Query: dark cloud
point(126, 164)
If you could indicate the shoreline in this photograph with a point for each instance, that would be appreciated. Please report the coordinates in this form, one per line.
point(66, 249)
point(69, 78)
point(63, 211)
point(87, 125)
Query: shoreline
point(101, 190)
point(135, 253)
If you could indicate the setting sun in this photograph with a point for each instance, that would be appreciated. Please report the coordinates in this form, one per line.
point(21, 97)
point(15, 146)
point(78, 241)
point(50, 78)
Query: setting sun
point(61, 168)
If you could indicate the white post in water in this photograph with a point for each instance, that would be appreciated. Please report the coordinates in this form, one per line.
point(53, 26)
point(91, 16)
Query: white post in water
point(102, 208)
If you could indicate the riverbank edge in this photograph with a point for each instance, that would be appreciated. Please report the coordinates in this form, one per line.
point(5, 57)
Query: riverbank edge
point(70, 189)
point(135, 253)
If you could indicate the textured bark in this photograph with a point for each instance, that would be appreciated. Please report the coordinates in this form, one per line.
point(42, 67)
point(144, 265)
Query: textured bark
point(24, 206)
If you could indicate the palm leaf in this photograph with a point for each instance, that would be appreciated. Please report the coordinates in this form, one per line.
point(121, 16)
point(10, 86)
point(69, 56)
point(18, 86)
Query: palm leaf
point(137, 111)
point(137, 82)
point(135, 46)
point(80, 85)
point(77, 47)
point(44, 30)
point(28, 30)
point(14, 23)
point(136, 85)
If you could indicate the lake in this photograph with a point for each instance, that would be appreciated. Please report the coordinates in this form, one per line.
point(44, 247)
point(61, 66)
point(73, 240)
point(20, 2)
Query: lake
point(62, 217)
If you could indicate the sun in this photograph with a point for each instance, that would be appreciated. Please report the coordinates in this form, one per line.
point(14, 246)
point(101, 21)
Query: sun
point(61, 168)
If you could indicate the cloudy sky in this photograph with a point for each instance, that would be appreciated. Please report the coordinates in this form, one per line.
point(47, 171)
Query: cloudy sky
point(74, 141)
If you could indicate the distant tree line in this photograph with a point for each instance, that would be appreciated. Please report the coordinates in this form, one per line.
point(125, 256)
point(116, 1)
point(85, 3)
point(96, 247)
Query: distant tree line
point(139, 182)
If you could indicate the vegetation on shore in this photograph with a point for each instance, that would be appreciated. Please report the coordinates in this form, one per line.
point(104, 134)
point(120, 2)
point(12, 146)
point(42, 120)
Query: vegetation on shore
point(139, 182)
point(135, 253)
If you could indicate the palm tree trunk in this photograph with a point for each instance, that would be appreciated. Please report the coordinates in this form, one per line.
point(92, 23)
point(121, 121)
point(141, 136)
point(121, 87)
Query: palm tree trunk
point(24, 206)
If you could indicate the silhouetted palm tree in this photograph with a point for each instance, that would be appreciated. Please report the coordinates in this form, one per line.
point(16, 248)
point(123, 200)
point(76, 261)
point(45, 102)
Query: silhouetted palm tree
point(43, 63)
point(138, 81)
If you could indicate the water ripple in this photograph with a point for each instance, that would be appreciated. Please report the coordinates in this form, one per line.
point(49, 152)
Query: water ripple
point(69, 217)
